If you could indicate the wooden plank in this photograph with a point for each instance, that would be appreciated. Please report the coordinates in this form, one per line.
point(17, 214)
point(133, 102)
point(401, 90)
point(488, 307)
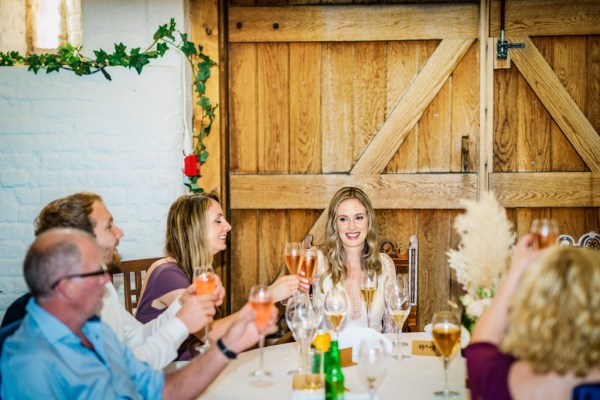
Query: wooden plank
point(353, 23)
point(556, 99)
point(305, 108)
point(411, 106)
point(205, 30)
point(273, 107)
point(243, 153)
point(546, 18)
point(393, 191)
point(337, 107)
point(401, 70)
point(369, 93)
point(569, 64)
point(272, 224)
point(593, 84)
point(555, 189)
point(397, 225)
point(505, 120)
point(464, 110)
point(244, 258)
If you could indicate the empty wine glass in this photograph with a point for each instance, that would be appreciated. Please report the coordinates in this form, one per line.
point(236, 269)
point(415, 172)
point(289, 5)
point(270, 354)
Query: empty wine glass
point(545, 231)
point(371, 362)
point(397, 299)
point(336, 306)
point(446, 337)
point(205, 283)
point(261, 302)
point(368, 286)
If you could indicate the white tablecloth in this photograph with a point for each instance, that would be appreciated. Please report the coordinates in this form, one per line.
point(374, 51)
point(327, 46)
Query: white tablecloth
point(415, 378)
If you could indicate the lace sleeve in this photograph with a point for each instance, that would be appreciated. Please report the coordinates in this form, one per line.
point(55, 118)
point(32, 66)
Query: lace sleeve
point(388, 270)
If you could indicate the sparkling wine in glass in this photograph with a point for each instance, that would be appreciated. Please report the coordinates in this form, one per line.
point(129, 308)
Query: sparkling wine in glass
point(262, 303)
point(308, 265)
point(545, 231)
point(446, 337)
point(335, 305)
point(368, 287)
point(292, 256)
point(397, 300)
point(205, 283)
point(371, 362)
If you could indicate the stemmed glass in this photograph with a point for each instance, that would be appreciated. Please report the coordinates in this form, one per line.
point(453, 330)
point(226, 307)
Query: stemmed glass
point(205, 283)
point(545, 231)
point(308, 264)
point(371, 362)
point(336, 306)
point(293, 257)
point(446, 337)
point(397, 299)
point(261, 301)
point(303, 316)
point(368, 286)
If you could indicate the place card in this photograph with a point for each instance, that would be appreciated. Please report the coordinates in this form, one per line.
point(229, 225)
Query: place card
point(424, 348)
point(346, 357)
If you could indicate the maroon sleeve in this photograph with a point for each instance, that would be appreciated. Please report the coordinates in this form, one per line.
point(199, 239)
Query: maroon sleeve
point(487, 369)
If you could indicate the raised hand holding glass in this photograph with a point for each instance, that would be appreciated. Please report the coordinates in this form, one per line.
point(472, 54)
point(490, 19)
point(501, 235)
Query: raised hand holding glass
point(205, 283)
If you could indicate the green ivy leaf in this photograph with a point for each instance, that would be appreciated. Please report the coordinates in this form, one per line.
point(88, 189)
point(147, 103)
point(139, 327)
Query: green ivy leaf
point(101, 56)
point(162, 48)
point(138, 61)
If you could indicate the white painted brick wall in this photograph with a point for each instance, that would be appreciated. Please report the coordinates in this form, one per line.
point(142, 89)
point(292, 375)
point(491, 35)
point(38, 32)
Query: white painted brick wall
point(60, 133)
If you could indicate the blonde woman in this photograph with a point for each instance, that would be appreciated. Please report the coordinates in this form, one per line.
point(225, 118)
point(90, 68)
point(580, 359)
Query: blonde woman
point(196, 231)
point(351, 245)
point(540, 336)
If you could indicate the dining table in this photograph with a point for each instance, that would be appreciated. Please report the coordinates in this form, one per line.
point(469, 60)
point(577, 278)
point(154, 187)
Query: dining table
point(417, 377)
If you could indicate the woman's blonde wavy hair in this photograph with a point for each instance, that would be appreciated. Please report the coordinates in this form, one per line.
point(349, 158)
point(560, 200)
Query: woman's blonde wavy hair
point(186, 236)
point(333, 249)
point(555, 319)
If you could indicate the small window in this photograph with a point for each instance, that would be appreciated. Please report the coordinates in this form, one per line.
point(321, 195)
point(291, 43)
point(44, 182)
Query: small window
point(52, 23)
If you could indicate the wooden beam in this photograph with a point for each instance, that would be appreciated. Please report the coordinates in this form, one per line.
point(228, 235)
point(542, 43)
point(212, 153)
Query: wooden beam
point(353, 23)
point(546, 18)
point(410, 107)
point(557, 101)
point(387, 191)
point(546, 189)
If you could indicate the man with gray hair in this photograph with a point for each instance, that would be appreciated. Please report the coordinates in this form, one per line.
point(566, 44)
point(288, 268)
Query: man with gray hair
point(62, 349)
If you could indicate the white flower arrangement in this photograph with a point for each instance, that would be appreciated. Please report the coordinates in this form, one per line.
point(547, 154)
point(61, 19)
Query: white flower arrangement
point(483, 254)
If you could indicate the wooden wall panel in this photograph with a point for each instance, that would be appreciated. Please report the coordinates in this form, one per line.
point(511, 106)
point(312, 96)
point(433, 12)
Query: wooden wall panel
point(273, 107)
point(242, 110)
point(244, 256)
point(505, 123)
point(337, 107)
point(593, 81)
point(272, 229)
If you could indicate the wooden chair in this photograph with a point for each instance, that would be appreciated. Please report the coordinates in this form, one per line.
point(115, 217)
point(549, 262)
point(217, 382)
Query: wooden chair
point(406, 263)
point(590, 240)
point(137, 268)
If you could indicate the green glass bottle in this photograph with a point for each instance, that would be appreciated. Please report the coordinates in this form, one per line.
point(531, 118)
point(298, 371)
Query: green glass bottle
point(334, 378)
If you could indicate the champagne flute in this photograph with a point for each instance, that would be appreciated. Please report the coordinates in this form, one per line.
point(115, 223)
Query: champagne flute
point(308, 265)
point(290, 311)
point(205, 283)
point(261, 302)
point(446, 337)
point(397, 299)
point(371, 362)
point(368, 286)
point(293, 255)
point(335, 305)
point(545, 231)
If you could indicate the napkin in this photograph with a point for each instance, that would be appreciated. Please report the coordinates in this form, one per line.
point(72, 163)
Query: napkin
point(320, 395)
point(352, 335)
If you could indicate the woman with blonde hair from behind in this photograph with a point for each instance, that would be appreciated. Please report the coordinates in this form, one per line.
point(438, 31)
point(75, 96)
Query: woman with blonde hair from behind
point(540, 337)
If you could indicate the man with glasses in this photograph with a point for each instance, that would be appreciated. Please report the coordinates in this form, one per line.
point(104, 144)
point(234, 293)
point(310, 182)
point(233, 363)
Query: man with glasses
point(156, 342)
point(62, 349)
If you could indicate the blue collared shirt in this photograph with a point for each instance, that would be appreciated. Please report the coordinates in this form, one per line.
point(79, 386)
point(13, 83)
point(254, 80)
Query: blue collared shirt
point(45, 359)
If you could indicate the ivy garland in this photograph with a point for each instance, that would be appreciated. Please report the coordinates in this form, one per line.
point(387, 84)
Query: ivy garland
point(70, 58)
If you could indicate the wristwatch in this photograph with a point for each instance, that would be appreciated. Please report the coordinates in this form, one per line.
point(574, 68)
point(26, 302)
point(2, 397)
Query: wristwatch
point(226, 352)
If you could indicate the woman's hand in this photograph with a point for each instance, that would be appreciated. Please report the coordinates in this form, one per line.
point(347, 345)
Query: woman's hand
point(284, 287)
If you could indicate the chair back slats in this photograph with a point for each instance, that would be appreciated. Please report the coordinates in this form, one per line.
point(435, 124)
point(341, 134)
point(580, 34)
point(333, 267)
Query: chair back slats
point(590, 240)
point(133, 271)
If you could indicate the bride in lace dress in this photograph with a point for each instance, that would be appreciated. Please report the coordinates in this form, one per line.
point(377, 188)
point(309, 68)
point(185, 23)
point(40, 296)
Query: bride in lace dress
point(351, 246)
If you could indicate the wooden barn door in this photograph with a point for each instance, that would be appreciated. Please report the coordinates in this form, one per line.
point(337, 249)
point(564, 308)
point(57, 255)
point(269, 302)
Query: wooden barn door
point(383, 97)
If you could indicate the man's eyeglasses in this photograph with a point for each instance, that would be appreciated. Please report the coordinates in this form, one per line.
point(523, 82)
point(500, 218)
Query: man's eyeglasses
point(101, 271)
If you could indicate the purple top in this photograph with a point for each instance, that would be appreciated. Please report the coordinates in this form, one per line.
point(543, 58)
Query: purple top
point(487, 369)
point(164, 279)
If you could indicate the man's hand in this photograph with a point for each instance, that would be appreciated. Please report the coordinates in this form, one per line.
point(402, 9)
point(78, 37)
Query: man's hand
point(285, 286)
point(196, 310)
point(243, 332)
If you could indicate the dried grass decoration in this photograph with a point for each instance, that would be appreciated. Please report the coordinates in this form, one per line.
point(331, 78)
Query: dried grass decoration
point(483, 254)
